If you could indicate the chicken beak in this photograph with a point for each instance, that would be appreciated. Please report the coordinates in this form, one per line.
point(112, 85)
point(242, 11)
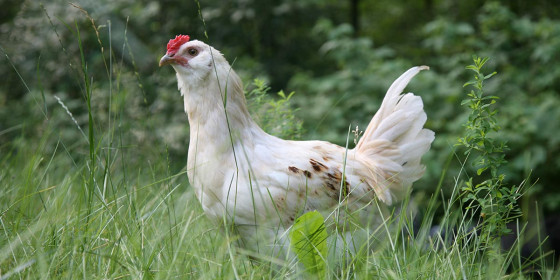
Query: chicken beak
point(166, 60)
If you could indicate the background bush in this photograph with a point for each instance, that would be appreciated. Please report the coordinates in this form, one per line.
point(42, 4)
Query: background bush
point(337, 59)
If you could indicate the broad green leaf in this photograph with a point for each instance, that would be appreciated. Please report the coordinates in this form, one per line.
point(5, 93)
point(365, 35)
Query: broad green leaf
point(308, 239)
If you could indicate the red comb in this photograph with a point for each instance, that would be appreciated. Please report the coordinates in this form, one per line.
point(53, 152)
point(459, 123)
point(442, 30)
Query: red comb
point(174, 44)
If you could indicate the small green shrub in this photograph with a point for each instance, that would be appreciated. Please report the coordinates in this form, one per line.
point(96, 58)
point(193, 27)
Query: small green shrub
point(496, 201)
point(275, 116)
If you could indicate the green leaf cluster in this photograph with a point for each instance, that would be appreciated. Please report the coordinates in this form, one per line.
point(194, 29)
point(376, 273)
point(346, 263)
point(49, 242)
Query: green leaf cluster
point(274, 115)
point(496, 201)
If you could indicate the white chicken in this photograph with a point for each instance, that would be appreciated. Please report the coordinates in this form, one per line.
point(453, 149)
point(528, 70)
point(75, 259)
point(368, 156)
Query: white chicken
point(261, 183)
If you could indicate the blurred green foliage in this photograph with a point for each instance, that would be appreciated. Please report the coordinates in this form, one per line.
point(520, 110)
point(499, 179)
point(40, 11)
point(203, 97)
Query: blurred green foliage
point(340, 71)
point(274, 116)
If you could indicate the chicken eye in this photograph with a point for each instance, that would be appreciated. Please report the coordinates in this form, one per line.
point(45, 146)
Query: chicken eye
point(192, 52)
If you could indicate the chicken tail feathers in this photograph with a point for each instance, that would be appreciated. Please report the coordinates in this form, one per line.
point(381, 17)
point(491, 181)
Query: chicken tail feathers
point(394, 142)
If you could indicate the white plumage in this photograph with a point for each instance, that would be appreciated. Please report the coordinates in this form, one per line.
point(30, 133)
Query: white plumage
point(261, 183)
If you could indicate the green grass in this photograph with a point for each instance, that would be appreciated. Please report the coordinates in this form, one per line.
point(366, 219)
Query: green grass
point(104, 207)
point(148, 224)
